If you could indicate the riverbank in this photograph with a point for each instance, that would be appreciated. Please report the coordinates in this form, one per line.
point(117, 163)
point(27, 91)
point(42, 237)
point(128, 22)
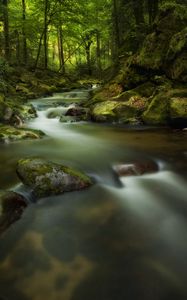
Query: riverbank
point(150, 85)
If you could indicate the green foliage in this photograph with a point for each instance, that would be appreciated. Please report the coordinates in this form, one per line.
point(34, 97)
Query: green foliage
point(179, 10)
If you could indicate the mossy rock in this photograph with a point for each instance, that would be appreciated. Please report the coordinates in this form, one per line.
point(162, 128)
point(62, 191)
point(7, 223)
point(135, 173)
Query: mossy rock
point(153, 51)
point(157, 112)
point(12, 134)
point(118, 111)
point(104, 111)
point(144, 90)
point(2, 97)
point(47, 178)
point(167, 106)
point(178, 107)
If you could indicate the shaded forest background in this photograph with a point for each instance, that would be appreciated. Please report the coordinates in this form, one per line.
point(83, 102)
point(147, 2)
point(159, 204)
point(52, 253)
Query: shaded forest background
point(70, 36)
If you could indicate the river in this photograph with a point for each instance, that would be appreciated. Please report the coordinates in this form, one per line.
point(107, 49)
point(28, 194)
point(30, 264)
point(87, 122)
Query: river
point(118, 240)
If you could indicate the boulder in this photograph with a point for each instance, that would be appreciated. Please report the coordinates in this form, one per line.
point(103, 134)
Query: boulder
point(136, 168)
point(78, 113)
point(157, 113)
point(104, 111)
point(168, 107)
point(119, 111)
point(12, 134)
point(12, 206)
point(47, 178)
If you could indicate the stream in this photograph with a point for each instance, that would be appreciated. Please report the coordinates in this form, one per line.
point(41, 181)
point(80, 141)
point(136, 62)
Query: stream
point(112, 241)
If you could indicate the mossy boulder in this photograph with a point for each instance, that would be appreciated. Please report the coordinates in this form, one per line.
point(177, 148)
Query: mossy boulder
point(120, 111)
point(144, 90)
point(107, 92)
point(78, 113)
point(12, 110)
point(12, 206)
point(24, 89)
point(47, 178)
point(12, 134)
point(167, 108)
point(104, 111)
point(157, 112)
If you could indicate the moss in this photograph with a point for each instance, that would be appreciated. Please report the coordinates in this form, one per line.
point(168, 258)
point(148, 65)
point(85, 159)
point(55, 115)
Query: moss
point(178, 107)
point(152, 54)
point(143, 90)
point(77, 174)
point(104, 111)
point(177, 44)
point(10, 133)
point(47, 178)
point(157, 112)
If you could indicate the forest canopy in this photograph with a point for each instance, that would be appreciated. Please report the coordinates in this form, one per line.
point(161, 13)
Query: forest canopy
point(85, 37)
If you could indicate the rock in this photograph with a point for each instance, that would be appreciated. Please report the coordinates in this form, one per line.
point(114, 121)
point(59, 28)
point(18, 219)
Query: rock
point(168, 107)
point(46, 178)
point(157, 112)
point(119, 111)
point(12, 206)
point(104, 111)
point(76, 111)
point(136, 169)
point(79, 113)
point(12, 134)
point(8, 114)
point(56, 112)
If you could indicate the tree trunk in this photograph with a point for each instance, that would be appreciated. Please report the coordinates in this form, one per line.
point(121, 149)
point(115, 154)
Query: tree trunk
point(39, 49)
point(45, 35)
point(88, 56)
point(23, 32)
point(116, 32)
point(17, 46)
point(61, 49)
point(6, 30)
point(152, 9)
point(99, 68)
point(138, 11)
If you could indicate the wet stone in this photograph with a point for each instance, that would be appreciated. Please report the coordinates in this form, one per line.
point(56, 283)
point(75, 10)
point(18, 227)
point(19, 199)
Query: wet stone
point(136, 168)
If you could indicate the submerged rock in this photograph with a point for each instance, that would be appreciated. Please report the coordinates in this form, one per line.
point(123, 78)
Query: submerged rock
point(12, 134)
point(70, 119)
point(135, 169)
point(12, 206)
point(47, 178)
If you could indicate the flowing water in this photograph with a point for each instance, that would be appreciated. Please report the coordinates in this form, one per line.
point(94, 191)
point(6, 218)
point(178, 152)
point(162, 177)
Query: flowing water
point(121, 239)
